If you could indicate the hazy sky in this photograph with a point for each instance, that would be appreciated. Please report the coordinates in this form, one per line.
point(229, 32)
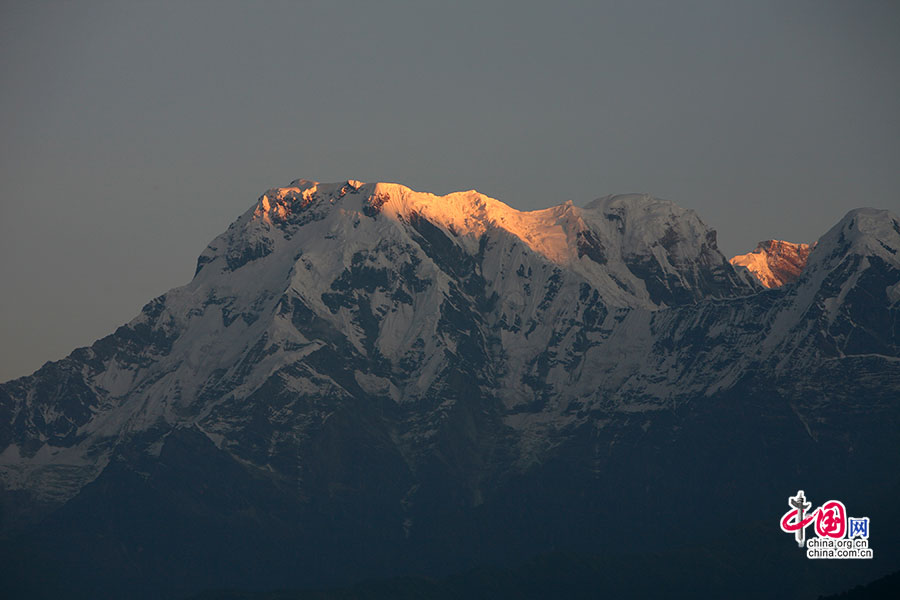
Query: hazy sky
point(133, 133)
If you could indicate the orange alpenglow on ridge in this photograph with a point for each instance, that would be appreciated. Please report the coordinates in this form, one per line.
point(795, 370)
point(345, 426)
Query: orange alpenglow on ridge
point(775, 262)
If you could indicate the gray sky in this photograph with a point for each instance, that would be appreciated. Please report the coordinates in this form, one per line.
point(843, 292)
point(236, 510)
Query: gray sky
point(133, 133)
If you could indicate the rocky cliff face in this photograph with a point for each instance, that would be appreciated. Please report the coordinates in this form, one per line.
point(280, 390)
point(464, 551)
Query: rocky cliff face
point(385, 381)
point(775, 262)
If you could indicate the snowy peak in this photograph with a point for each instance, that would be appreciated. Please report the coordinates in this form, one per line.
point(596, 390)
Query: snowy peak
point(465, 216)
point(639, 245)
point(863, 232)
point(775, 262)
point(638, 222)
point(549, 232)
point(279, 204)
point(645, 225)
point(667, 246)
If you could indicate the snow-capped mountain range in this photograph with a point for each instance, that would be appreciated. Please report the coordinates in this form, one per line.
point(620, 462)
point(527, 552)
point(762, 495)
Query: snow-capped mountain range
point(366, 365)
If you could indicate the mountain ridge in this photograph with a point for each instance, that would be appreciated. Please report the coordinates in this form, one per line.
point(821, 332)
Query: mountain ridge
point(775, 262)
point(361, 349)
point(283, 208)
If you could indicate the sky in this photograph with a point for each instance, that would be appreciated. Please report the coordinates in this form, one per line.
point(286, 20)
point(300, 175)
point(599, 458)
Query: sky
point(134, 133)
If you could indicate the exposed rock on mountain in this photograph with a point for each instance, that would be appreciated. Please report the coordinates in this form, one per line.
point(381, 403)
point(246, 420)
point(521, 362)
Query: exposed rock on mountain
point(775, 262)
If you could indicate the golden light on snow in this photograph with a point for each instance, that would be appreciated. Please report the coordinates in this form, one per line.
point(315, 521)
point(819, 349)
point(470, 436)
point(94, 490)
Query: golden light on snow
point(775, 262)
point(548, 232)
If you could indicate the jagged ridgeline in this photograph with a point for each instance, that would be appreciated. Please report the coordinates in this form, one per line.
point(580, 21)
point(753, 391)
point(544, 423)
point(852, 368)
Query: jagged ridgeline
point(366, 381)
point(775, 262)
